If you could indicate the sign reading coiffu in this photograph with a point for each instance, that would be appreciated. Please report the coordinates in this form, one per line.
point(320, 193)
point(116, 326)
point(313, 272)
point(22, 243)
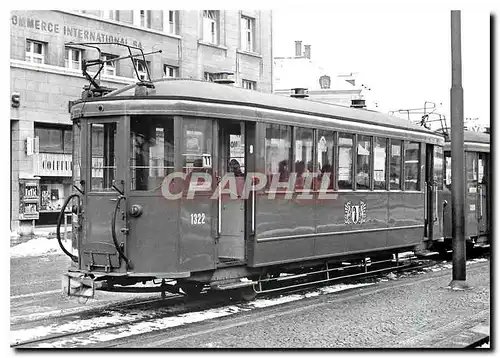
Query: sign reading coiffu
point(76, 32)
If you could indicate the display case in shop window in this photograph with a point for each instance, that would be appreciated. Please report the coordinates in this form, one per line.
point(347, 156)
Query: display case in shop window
point(29, 198)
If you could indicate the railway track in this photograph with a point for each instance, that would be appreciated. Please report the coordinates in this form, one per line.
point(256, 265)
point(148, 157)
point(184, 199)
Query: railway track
point(72, 328)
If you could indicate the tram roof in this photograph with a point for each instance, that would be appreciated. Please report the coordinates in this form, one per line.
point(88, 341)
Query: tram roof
point(473, 142)
point(204, 91)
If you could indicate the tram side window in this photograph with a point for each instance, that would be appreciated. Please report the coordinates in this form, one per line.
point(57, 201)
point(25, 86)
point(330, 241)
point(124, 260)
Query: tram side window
point(303, 157)
point(438, 166)
point(395, 165)
point(103, 165)
point(412, 165)
point(277, 152)
point(151, 151)
point(197, 150)
point(379, 163)
point(345, 144)
point(363, 158)
point(447, 172)
point(325, 147)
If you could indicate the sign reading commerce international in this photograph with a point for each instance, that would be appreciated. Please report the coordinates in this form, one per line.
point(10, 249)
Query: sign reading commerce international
point(85, 35)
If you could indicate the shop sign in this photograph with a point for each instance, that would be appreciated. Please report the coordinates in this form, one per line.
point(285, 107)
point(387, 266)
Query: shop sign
point(71, 31)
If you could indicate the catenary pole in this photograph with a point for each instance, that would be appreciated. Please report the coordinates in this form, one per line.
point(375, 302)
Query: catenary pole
point(457, 154)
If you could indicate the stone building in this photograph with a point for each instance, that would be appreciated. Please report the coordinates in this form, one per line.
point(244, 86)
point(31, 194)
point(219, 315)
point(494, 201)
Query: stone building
point(46, 74)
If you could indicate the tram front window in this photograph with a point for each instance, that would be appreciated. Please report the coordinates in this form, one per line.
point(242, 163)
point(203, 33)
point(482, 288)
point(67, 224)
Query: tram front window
point(103, 141)
point(151, 151)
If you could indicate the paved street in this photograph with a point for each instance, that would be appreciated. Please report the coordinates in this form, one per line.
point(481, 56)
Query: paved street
point(392, 314)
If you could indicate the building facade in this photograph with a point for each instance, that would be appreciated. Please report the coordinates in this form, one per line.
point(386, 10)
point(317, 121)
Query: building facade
point(301, 71)
point(46, 62)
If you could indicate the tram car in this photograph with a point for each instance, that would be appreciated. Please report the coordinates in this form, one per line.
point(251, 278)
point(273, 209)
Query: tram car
point(281, 185)
point(477, 192)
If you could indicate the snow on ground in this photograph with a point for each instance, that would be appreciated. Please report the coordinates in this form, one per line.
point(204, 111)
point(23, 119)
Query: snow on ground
point(131, 328)
point(38, 247)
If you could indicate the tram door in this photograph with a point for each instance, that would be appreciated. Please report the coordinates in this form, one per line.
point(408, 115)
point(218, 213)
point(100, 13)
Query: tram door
point(231, 203)
point(483, 194)
point(472, 201)
point(432, 190)
point(103, 154)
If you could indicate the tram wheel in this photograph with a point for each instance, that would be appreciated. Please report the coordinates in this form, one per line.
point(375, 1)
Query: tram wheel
point(192, 289)
point(242, 294)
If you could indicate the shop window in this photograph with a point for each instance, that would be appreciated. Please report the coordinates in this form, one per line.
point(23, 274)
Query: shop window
point(247, 33)
point(35, 51)
point(197, 150)
point(303, 157)
point(395, 165)
point(251, 85)
point(325, 150)
point(412, 165)
point(379, 163)
point(210, 26)
point(73, 58)
point(345, 154)
point(103, 166)
point(170, 21)
point(170, 71)
point(151, 150)
point(363, 155)
point(277, 152)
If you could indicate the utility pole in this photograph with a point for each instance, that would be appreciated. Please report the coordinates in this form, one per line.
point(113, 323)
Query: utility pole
point(457, 156)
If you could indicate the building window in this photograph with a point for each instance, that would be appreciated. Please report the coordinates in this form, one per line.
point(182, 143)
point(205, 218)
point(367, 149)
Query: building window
point(395, 165)
point(142, 71)
point(35, 51)
point(109, 67)
point(54, 140)
point(210, 26)
point(412, 166)
point(170, 71)
point(109, 14)
point(363, 177)
point(379, 163)
point(344, 171)
point(251, 85)
point(170, 21)
point(247, 33)
point(73, 58)
point(141, 18)
point(209, 76)
point(277, 152)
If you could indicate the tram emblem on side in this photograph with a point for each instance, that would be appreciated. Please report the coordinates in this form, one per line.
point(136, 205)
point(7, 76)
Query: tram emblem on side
point(354, 214)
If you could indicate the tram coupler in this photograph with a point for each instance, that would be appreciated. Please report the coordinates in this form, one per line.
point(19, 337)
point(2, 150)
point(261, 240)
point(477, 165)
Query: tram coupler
point(79, 285)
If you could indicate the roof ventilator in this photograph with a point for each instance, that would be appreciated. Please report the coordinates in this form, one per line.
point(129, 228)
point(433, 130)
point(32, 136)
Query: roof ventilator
point(299, 93)
point(225, 78)
point(358, 103)
point(94, 88)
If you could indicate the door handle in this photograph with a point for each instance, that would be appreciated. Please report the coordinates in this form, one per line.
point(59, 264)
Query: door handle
point(480, 202)
point(425, 202)
point(436, 207)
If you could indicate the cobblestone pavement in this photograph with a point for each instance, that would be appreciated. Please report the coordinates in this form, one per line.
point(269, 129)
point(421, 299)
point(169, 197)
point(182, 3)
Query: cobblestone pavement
point(414, 312)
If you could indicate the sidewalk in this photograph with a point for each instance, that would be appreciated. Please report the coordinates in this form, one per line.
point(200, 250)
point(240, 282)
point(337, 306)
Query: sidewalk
point(46, 232)
point(417, 312)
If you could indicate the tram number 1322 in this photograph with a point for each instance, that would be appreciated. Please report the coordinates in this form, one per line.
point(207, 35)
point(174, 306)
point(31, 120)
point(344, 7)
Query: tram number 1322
point(197, 218)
